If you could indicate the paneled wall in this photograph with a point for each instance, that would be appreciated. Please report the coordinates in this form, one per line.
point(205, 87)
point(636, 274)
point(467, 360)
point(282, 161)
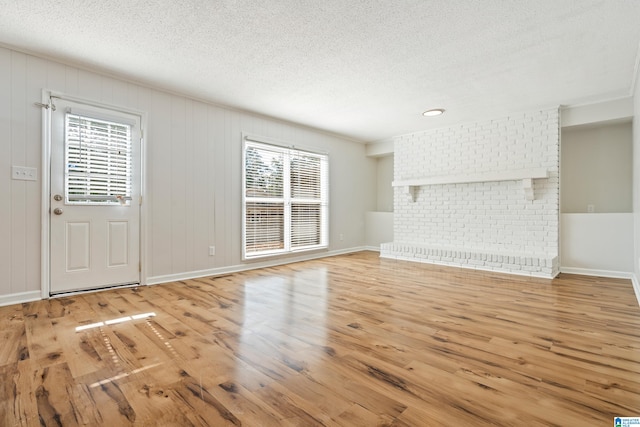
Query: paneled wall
point(193, 173)
point(485, 225)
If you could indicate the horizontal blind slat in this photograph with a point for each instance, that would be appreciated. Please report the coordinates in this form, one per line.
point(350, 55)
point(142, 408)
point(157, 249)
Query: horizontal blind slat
point(98, 159)
point(305, 206)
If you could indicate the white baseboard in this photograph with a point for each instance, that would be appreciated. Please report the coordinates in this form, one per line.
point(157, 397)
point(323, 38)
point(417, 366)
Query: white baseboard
point(599, 273)
point(636, 287)
point(606, 273)
point(22, 297)
point(470, 267)
point(166, 278)
point(19, 298)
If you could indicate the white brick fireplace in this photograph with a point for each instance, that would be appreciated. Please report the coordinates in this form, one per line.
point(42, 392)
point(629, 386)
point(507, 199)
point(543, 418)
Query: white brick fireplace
point(481, 195)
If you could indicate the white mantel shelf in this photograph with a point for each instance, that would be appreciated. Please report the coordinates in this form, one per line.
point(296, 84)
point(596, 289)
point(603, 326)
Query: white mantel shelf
point(525, 175)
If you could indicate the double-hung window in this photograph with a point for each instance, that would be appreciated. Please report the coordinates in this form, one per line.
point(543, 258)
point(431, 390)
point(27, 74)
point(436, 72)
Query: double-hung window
point(285, 203)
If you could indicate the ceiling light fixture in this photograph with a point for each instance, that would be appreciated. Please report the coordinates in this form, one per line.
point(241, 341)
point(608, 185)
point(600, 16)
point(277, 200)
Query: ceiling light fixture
point(434, 112)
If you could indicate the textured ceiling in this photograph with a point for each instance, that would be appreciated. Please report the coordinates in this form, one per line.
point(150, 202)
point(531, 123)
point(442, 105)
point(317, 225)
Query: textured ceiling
point(361, 68)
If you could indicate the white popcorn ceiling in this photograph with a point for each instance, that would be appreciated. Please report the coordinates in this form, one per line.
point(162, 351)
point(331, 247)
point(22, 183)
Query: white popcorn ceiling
point(365, 69)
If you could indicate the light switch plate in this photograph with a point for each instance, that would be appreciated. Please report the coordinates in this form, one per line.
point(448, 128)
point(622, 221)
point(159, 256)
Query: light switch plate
point(24, 173)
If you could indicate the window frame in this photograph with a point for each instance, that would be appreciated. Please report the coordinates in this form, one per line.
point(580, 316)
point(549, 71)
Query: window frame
point(289, 152)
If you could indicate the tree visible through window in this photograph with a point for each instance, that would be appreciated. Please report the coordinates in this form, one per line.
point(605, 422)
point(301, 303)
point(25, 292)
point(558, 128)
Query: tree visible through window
point(285, 200)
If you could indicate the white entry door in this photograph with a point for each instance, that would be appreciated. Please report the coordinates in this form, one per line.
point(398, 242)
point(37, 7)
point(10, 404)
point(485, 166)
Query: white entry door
point(94, 198)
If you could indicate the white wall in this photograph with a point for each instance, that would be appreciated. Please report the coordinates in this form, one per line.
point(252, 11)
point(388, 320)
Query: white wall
point(636, 181)
point(379, 223)
point(379, 228)
point(380, 148)
point(193, 173)
point(597, 244)
point(597, 112)
point(385, 178)
point(487, 225)
point(596, 168)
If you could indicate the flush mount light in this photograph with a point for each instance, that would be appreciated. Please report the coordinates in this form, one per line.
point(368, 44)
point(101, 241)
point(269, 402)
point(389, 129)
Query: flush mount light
point(434, 112)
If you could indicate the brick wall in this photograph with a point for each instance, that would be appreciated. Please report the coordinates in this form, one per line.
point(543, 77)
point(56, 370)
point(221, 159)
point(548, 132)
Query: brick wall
point(485, 225)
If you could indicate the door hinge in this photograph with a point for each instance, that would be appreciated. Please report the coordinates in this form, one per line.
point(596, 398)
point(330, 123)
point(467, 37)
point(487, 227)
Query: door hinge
point(140, 202)
point(139, 266)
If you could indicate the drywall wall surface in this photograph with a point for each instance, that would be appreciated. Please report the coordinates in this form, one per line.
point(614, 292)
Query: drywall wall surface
point(379, 226)
point(384, 180)
point(596, 169)
point(380, 148)
point(601, 242)
point(599, 112)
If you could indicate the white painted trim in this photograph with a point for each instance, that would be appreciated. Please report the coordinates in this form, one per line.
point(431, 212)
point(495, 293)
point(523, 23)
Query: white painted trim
point(289, 145)
point(37, 295)
point(81, 292)
point(471, 267)
point(526, 175)
point(597, 273)
point(144, 211)
point(287, 151)
point(155, 280)
point(19, 298)
point(47, 94)
point(372, 248)
point(46, 201)
point(509, 175)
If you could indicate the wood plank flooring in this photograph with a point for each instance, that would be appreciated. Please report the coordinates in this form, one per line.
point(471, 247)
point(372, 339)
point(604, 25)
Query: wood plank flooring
point(352, 340)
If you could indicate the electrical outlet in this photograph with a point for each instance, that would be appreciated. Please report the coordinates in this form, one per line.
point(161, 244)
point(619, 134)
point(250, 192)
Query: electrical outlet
point(212, 250)
point(341, 237)
point(24, 173)
point(591, 208)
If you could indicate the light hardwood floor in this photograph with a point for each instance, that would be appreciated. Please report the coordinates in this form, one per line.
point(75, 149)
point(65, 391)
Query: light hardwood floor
point(352, 340)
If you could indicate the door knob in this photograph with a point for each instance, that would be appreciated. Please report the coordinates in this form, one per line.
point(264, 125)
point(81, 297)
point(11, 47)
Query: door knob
point(57, 197)
point(57, 211)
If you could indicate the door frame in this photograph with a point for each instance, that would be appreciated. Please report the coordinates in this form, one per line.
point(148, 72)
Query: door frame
point(45, 236)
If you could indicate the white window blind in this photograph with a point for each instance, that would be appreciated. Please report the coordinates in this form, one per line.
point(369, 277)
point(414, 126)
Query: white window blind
point(285, 200)
point(97, 161)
